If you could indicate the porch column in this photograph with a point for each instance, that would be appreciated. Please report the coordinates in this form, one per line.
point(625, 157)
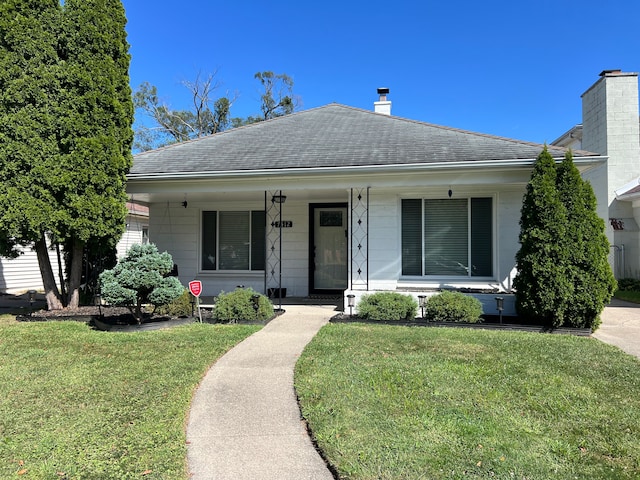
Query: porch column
point(273, 202)
point(359, 248)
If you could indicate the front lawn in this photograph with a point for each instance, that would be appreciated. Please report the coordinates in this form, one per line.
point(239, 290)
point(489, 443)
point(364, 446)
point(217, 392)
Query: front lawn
point(387, 402)
point(82, 404)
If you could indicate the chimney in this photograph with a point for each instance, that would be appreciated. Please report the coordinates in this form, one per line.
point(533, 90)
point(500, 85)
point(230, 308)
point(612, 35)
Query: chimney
point(382, 106)
point(611, 127)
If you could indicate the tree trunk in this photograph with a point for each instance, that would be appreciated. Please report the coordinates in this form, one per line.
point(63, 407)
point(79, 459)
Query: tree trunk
point(63, 293)
point(75, 273)
point(138, 313)
point(51, 291)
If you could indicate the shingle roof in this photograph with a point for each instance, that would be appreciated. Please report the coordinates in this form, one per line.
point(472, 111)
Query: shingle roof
point(332, 136)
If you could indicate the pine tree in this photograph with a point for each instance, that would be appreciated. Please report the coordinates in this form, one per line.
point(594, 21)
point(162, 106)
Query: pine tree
point(588, 267)
point(542, 284)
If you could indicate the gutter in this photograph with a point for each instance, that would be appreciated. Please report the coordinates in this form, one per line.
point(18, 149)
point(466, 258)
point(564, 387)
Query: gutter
point(621, 193)
point(357, 170)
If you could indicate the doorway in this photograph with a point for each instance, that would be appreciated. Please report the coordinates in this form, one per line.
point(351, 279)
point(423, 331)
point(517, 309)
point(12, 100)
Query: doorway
point(328, 248)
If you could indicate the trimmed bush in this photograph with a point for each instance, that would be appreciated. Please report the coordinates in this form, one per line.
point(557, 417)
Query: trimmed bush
point(238, 306)
point(140, 277)
point(179, 307)
point(453, 307)
point(629, 285)
point(387, 306)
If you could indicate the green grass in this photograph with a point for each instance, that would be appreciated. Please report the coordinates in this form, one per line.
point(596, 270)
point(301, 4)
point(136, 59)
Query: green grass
point(628, 295)
point(387, 402)
point(82, 404)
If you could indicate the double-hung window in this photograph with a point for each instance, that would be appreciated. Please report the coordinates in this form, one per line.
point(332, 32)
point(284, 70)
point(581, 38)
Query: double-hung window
point(233, 240)
point(447, 237)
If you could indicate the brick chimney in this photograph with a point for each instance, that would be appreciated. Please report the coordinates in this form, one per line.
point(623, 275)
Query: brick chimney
point(382, 106)
point(611, 126)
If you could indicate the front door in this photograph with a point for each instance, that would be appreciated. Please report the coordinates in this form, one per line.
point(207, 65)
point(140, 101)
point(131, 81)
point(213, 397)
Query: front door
point(328, 256)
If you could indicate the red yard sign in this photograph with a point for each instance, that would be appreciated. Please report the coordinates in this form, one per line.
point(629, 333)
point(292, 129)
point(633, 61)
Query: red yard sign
point(195, 287)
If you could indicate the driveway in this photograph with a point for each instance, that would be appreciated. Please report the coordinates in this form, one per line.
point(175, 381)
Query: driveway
point(621, 326)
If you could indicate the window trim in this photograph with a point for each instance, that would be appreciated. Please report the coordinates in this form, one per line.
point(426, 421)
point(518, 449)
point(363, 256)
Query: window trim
point(453, 278)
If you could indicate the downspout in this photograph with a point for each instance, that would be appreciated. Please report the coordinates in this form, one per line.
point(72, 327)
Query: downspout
point(620, 251)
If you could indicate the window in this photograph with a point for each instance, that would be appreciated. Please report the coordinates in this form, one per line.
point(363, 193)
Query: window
point(233, 240)
point(447, 237)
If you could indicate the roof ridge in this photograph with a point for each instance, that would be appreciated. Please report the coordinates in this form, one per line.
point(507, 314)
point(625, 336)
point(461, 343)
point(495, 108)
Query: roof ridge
point(378, 115)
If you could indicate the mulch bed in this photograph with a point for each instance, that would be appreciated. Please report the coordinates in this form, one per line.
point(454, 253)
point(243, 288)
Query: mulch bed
point(104, 318)
point(120, 319)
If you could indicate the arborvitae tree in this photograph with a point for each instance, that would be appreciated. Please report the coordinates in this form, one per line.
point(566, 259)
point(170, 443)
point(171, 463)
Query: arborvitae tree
point(588, 266)
point(29, 95)
point(96, 114)
point(542, 284)
point(65, 128)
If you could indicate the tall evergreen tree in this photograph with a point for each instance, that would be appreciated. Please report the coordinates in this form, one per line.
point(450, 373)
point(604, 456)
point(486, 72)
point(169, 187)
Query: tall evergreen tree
point(29, 89)
point(95, 119)
point(564, 277)
point(542, 284)
point(65, 128)
point(588, 266)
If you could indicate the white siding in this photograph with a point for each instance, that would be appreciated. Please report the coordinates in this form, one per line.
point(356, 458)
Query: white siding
point(133, 234)
point(385, 239)
point(177, 230)
point(23, 273)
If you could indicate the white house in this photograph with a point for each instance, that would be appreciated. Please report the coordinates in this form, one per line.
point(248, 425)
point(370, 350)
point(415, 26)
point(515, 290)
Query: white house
point(339, 200)
point(23, 273)
point(611, 126)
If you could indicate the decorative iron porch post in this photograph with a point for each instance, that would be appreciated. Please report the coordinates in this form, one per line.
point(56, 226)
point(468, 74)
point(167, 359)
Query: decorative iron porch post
point(273, 266)
point(359, 264)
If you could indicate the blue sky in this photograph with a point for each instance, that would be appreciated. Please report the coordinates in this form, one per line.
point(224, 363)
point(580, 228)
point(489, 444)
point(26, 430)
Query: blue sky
point(503, 67)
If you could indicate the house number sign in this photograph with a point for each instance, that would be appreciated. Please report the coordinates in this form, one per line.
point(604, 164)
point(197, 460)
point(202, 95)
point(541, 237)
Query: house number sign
point(283, 224)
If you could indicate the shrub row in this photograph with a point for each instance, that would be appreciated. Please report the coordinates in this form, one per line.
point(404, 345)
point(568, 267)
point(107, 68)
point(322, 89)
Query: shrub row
point(629, 284)
point(443, 307)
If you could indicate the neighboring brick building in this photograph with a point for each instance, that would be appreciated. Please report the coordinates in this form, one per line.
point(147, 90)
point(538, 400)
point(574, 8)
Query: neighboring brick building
point(611, 126)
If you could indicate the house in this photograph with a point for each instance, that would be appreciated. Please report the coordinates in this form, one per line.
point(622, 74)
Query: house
point(18, 275)
point(137, 228)
point(23, 273)
point(342, 201)
point(611, 126)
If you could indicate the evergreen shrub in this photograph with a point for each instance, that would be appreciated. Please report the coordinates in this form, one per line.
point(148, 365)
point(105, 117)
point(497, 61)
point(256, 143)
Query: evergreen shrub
point(453, 307)
point(141, 277)
point(237, 306)
point(178, 307)
point(629, 285)
point(387, 306)
point(563, 275)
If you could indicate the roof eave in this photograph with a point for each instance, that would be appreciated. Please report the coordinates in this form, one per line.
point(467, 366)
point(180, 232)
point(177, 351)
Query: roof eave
point(358, 169)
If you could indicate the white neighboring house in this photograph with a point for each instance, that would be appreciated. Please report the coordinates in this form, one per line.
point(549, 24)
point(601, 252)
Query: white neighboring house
point(611, 126)
point(23, 273)
point(137, 231)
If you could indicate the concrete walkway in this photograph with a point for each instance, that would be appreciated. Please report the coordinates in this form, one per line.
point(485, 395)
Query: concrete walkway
point(621, 326)
point(244, 421)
